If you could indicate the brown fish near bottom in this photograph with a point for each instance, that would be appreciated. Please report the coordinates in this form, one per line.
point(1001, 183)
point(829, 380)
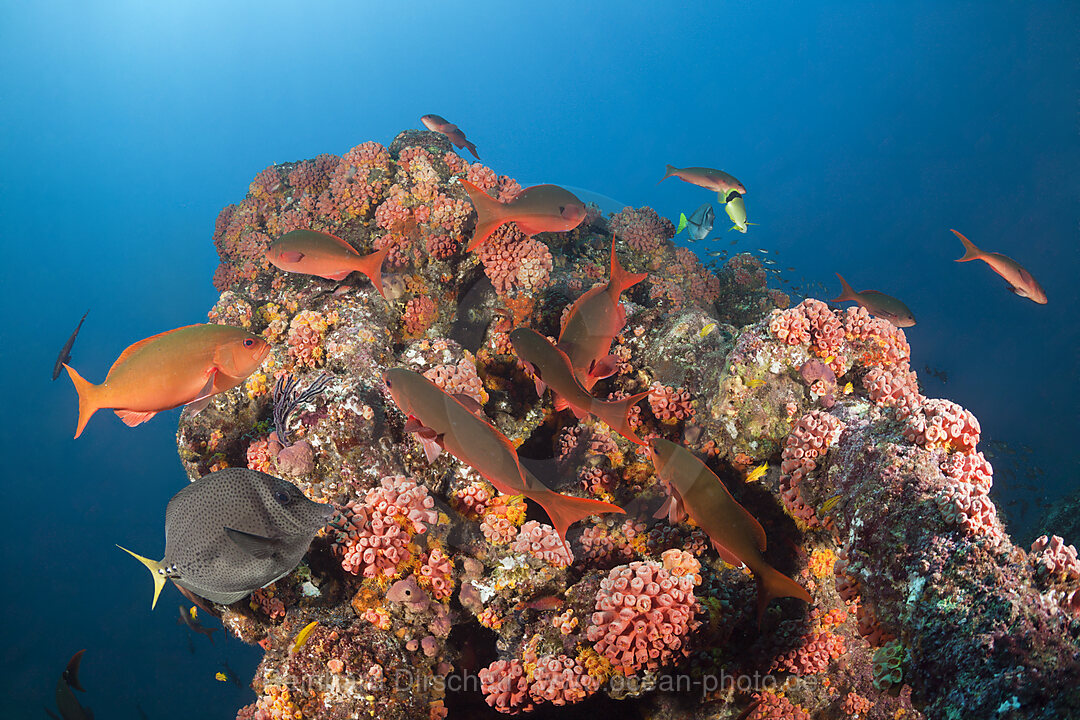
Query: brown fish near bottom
point(736, 535)
point(310, 252)
point(185, 366)
point(1020, 280)
point(453, 423)
point(450, 130)
point(877, 304)
point(536, 209)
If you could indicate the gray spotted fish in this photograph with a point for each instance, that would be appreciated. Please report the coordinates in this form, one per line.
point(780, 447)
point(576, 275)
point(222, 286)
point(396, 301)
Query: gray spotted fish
point(232, 532)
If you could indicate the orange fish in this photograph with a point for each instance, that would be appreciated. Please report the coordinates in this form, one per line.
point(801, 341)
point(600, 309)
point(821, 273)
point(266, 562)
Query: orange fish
point(537, 209)
point(314, 253)
point(736, 535)
point(185, 366)
point(1020, 280)
point(716, 180)
point(592, 323)
point(551, 367)
point(454, 423)
point(877, 304)
point(450, 130)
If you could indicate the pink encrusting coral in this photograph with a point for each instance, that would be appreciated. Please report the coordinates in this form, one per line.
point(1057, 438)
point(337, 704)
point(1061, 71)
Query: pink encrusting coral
point(372, 536)
point(542, 541)
point(670, 405)
point(943, 423)
point(420, 313)
point(561, 680)
point(642, 229)
point(1054, 559)
point(437, 574)
point(460, 379)
point(505, 686)
point(358, 183)
point(895, 386)
point(809, 440)
point(643, 615)
point(812, 656)
point(306, 333)
point(514, 262)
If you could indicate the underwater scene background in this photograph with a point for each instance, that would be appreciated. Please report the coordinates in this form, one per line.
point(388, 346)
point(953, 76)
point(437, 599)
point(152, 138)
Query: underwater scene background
point(862, 134)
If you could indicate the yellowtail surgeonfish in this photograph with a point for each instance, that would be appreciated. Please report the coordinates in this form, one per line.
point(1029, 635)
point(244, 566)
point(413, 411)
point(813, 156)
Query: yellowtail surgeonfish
point(232, 532)
point(699, 224)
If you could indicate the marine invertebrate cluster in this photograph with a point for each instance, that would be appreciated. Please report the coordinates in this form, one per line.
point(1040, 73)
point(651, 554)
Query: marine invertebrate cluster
point(642, 229)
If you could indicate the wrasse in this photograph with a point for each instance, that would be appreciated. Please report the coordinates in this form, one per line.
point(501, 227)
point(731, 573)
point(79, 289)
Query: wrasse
point(830, 503)
point(716, 180)
point(185, 366)
point(221, 677)
point(303, 635)
point(848, 389)
point(592, 323)
point(877, 304)
point(735, 533)
point(551, 367)
point(315, 253)
point(548, 602)
point(537, 209)
point(445, 422)
point(1020, 280)
point(450, 130)
point(706, 330)
point(757, 473)
point(754, 383)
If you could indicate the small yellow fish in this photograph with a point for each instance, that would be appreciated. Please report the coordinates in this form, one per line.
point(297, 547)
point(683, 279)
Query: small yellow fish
point(303, 635)
point(830, 503)
point(757, 473)
point(706, 330)
point(194, 613)
point(828, 360)
point(221, 677)
point(754, 383)
point(848, 389)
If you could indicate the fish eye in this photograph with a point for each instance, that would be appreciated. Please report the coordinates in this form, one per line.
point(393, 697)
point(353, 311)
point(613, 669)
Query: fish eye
point(282, 497)
point(562, 209)
point(249, 342)
point(389, 384)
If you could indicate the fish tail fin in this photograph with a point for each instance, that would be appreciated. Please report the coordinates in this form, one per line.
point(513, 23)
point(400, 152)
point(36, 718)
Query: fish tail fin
point(772, 584)
point(847, 294)
point(371, 265)
point(616, 413)
point(88, 397)
point(669, 170)
point(565, 510)
point(472, 149)
point(153, 566)
point(489, 215)
point(620, 278)
point(971, 252)
point(682, 223)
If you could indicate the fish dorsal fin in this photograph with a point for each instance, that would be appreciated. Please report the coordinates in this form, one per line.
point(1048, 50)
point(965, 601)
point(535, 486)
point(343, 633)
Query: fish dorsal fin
point(256, 546)
point(132, 349)
point(604, 367)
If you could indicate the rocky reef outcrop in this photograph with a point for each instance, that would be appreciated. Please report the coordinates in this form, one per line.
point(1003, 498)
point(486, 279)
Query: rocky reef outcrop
point(435, 594)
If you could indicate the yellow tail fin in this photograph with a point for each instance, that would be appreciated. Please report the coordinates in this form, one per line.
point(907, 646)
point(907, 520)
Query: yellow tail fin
point(154, 566)
point(87, 397)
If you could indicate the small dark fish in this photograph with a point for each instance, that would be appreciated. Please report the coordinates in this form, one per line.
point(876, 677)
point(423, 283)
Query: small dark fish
point(232, 532)
point(939, 374)
point(233, 677)
point(190, 618)
point(733, 241)
point(65, 352)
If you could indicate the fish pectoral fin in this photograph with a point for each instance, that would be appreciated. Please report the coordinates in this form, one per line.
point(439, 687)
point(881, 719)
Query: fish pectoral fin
point(132, 418)
point(202, 399)
point(726, 555)
point(338, 276)
point(604, 367)
point(292, 256)
point(432, 447)
point(662, 513)
point(471, 404)
point(413, 425)
point(559, 402)
point(256, 546)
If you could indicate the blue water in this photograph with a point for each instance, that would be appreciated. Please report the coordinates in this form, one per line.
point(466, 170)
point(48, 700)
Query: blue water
point(862, 134)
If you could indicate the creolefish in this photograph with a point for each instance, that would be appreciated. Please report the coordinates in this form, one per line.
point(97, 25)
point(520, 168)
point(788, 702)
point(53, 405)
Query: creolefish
point(592, 323)
point(536, 209)
point(1020, 280)
point(185, 366)
point(736, 535)
point(454, 424)
point(877, 304)
point(450, 130)
point(551, 368)
point(716, 180)
point(309, 252)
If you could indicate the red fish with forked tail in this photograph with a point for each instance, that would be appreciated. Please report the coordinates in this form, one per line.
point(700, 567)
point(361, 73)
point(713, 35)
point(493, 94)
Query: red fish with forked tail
point(315, 253)
point(536, 209)
point(551, 367)
point(453, 423)
point(877, 304)
point(185, 366)
point(450, 130)
point(736, 535)
point(1020, 280)
point(592, 323)
point(716, 180)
